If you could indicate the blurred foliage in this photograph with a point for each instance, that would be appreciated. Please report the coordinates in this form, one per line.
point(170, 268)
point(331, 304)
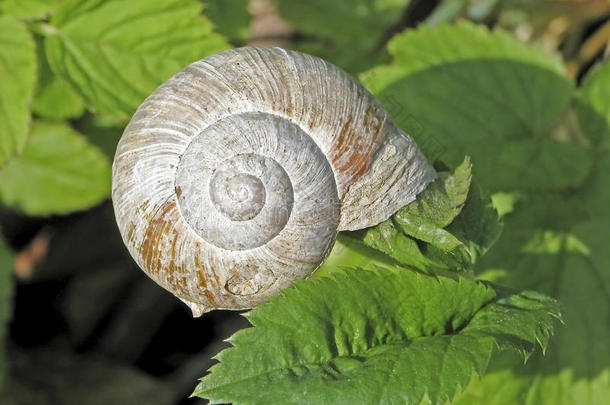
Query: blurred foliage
point(230, 17)
point(348, 33)
point(528, 103)
point(593, 105)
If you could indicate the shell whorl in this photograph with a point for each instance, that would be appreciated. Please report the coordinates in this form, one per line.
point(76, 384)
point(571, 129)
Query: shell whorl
point(234, 176)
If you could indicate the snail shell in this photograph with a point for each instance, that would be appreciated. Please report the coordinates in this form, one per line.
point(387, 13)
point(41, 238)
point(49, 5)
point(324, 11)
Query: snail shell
point(233, 178)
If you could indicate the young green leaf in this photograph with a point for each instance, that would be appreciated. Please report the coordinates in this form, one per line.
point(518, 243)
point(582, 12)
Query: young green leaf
point(370, 337)
point(593, 104)
point(17, 80)
point(461, 89)
point(58, 172)
point(6, 288)
point(54, 98)
point(478, 226)
point(436, 207)
point(446, 228)
point(115, 53)
point(388, 239)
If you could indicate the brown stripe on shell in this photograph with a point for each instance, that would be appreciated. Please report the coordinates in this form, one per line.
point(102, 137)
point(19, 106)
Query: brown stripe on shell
point(353, 150)
point(160, 256)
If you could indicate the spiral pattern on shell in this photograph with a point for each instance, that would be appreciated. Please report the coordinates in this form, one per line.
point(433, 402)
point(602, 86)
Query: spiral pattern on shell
point(233, 178)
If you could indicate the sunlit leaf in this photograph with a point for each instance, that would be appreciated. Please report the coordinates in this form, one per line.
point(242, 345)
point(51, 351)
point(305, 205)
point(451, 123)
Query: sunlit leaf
point(448, 227)
point(54, 98)
point(115, 53)
point(17, 80)
point(30, 8)
point(58, 172)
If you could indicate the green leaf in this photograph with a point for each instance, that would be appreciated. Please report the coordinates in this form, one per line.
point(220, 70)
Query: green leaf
point(518, 321)
point(460, 89)
point(54, 98)
point(115, 53)
point(6, 288)
point(387, 238)
point(465, 41)
point(30, 8)
point(572, 262)
point(342, 31)
point(436, 207)
point(541, 163)
point(17, 80)
point(446, 228)
point(230, 17)
point(371, 337)
point(593, 104)
point(478, 227)
point(59, 172)
point(595, 194)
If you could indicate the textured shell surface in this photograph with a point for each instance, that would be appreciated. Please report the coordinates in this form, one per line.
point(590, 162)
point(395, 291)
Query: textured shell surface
point(233, 178)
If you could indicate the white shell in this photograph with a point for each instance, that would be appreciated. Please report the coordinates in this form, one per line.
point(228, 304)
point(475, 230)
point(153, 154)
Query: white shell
point(234, 176)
